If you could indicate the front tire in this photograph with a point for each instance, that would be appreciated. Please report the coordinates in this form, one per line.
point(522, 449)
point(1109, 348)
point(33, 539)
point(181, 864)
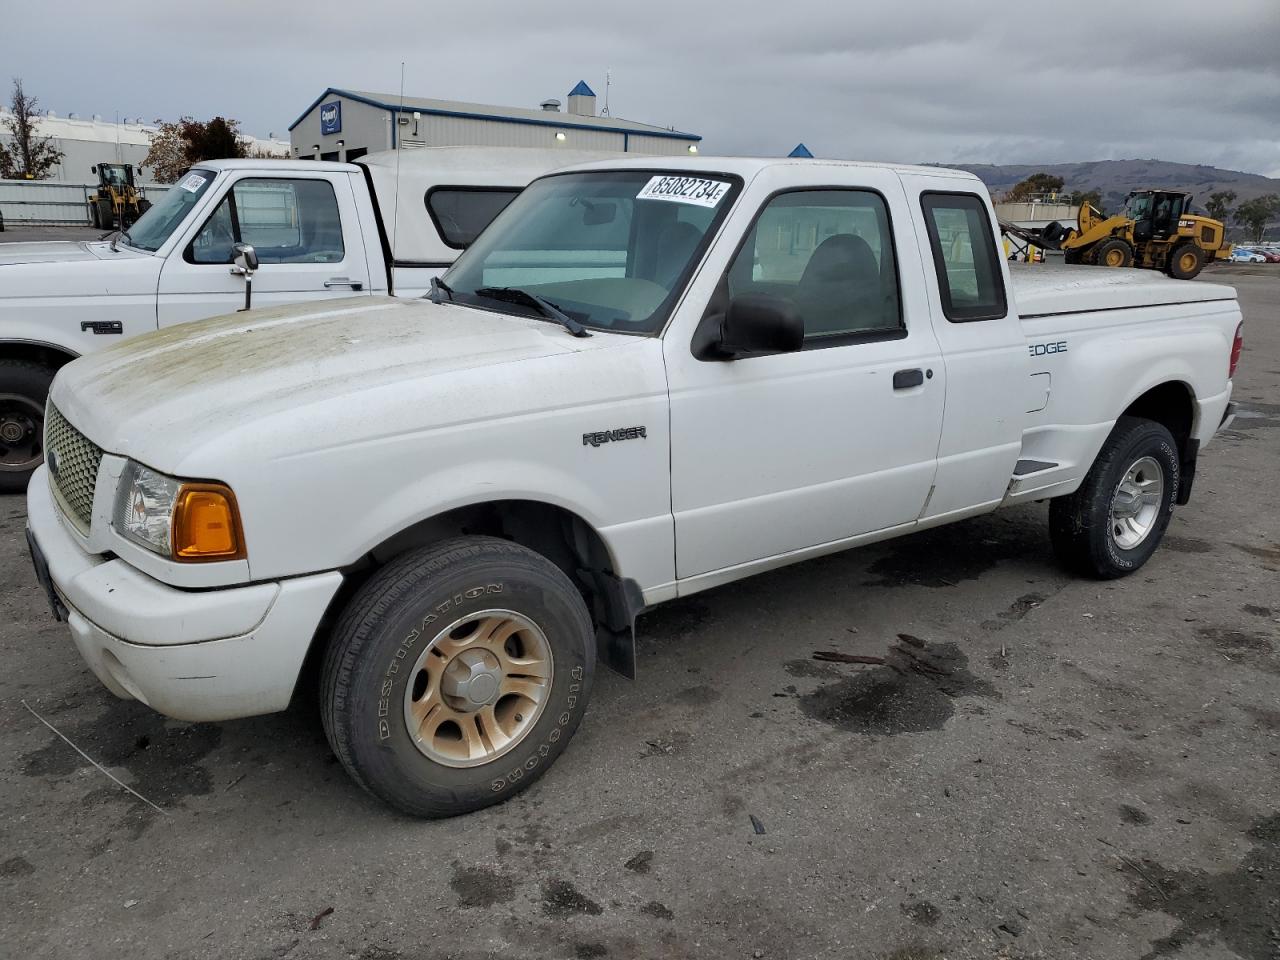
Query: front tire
point(1114, 253)
point(24, 388)
point(1110, 526)
point(457, 675)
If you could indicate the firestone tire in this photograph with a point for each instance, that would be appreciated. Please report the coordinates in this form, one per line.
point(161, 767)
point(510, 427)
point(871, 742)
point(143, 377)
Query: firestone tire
point(402, 642)
point(1090, 530)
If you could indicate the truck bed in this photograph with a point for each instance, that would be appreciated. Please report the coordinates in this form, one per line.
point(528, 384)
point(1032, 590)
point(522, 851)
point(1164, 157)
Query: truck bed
point(1048, 290)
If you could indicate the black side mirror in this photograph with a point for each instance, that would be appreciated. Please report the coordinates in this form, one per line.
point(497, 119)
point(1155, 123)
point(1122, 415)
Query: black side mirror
point(246, 258)
point(760, 323)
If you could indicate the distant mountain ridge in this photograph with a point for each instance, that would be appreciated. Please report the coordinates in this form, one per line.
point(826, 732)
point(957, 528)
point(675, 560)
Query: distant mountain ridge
point(1116, 178)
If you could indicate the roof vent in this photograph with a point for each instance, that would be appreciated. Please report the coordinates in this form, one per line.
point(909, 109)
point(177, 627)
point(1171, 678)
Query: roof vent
point(582, 100)
point(551, 106)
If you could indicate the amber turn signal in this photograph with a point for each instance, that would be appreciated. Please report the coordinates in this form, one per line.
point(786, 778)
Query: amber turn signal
point(206, 524)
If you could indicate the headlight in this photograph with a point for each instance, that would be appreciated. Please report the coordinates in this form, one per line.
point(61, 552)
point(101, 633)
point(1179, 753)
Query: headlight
point(182, 520)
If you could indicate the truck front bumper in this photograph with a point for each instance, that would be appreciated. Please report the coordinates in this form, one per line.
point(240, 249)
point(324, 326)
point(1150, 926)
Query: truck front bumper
point(196, 655)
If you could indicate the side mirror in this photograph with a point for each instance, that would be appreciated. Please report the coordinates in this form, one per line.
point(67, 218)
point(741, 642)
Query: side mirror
point(246, 259)
point(760, 323)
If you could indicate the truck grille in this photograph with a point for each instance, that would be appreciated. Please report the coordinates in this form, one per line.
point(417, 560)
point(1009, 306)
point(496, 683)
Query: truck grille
point(73, 467)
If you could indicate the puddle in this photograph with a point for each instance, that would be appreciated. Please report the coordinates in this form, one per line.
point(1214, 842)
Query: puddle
point(962, 551)
point(885, 700)
point(1238, 907)
point(481, 886)
point(561, 899)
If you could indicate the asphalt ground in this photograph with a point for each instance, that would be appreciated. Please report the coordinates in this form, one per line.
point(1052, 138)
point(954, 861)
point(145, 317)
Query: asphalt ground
point(1088, 770)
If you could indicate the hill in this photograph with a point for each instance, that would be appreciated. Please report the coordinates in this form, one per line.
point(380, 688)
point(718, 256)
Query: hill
point(1115, 178)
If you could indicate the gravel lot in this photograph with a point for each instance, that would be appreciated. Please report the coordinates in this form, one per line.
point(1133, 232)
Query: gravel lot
point(1094, 773)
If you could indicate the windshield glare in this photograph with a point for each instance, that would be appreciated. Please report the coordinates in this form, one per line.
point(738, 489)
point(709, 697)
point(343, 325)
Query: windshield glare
point(612, 249)
point(155, 226)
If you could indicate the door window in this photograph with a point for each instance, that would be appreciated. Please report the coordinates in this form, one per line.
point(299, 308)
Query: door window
point(460, 213)
point(285, 221)
point(831, 253)
point(964, 255)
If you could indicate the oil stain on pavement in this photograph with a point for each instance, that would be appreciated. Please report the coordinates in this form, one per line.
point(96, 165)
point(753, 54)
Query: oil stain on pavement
point(1240, 907)
point(913, 692)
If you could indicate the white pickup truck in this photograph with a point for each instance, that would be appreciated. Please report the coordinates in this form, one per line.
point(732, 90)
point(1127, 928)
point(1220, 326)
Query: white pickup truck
point(644, 379)
point(315, 231)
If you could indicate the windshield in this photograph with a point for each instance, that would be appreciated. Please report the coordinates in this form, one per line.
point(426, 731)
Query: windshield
point(611, 249)
point(1138, 206)
point(154, 227)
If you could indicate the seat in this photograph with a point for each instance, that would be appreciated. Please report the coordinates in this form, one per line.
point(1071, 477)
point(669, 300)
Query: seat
point(840, 289)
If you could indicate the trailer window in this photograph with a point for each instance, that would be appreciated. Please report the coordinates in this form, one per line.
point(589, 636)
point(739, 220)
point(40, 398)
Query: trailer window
point(970, 283)
point(460, 213)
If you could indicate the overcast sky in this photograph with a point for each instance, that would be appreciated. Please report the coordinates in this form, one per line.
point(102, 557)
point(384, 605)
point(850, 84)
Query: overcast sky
point(915, 80)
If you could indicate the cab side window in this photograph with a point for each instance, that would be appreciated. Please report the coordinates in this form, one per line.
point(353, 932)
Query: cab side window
point(286, 221)
point(964, 255)
point(460, 213)
point(831, 253)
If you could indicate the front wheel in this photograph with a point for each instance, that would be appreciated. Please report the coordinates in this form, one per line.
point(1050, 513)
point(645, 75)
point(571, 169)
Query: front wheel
point(24, 387)
point(1186, 262)
point(1114, 522)
point(457, 675)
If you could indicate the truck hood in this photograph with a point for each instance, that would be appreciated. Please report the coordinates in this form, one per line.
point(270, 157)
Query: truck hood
point(61, 251)
point(161, 396)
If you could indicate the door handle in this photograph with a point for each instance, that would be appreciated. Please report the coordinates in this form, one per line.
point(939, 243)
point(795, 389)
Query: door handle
point(905, 379)
point(344, 282)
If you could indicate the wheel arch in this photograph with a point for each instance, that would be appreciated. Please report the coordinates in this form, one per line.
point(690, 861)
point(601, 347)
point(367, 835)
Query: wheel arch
point(557, 533)
point(35, 351)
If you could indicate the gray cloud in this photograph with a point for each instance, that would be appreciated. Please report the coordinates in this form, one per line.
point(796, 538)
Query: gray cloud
point(936, 81)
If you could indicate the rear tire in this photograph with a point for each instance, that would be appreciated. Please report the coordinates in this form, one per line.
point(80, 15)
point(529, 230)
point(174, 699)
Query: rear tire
point(24, 388)
point(1186, 262)
point(1110, 526)
point(1114, 253)
point(106, 215)
point(457, 675)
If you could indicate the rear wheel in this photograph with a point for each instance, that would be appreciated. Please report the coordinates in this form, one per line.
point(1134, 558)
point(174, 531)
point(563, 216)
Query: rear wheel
point(457, 675)
point(1186, 262)
point(1114, 522)
point(1114, 253)
point(24, 387)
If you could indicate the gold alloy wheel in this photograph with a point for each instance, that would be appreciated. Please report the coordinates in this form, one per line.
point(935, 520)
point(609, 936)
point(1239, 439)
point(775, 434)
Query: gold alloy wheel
point(478, 688)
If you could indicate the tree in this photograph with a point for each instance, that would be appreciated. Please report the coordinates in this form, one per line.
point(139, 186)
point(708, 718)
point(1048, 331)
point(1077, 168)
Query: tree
point(1092, 197)
point(1219, 204)
point(29, 156)
point(1257, 213)
point(1035, 184)
point(177, 146)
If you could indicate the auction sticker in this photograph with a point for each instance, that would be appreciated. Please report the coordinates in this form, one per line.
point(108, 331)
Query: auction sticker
point(695, 190)
point(192, 183)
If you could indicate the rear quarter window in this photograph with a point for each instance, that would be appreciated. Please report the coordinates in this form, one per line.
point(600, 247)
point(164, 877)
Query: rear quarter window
point(460, 213)
point(970, 282)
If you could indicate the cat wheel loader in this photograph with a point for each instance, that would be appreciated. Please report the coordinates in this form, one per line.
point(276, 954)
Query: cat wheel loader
point(117, 203)
point(1155, 230)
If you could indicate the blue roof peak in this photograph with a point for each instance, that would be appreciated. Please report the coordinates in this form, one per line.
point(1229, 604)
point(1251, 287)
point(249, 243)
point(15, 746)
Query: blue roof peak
point(582, 90)
point(800, 151)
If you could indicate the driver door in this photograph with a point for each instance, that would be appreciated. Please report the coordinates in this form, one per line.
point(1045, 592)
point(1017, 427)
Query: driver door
point(304, 230)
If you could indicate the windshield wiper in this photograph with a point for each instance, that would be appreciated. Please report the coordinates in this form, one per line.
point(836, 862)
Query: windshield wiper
point(545, 306)
point(438, 287)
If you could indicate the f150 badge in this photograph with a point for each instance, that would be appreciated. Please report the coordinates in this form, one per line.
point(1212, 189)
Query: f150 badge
point(612, 436)
point(1044, 349)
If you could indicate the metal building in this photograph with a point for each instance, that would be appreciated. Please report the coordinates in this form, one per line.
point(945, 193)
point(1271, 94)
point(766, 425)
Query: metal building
point(346, 124)
point(86, 142)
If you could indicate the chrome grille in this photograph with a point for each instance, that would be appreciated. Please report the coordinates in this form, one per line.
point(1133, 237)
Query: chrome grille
point(73, 467)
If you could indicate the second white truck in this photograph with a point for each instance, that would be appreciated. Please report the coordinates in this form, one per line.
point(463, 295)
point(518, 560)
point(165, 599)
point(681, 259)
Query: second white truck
point(281, 231)
point(643, 380)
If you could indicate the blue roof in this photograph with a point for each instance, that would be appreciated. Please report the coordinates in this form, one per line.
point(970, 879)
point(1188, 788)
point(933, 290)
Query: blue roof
point(800, 151)
point(582, 90)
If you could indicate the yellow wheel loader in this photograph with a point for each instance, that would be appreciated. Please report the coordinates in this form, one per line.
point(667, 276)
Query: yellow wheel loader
point(1155, 231)
point(117, 203)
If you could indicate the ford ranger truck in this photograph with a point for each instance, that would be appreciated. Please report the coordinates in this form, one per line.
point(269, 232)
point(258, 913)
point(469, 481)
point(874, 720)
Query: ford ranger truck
point(313, 231)
point(644, 379)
